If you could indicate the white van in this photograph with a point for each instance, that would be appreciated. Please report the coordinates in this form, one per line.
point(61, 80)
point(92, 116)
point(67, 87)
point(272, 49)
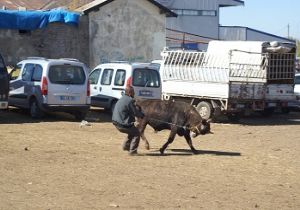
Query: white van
point(108, 82)
point(45, 85)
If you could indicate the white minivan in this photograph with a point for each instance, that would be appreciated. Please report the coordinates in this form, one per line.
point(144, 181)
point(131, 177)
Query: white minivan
point(45, 85)
point(108, 82)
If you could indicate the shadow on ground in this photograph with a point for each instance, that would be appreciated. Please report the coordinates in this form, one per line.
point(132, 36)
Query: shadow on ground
point(19, 116)
point(187, 152)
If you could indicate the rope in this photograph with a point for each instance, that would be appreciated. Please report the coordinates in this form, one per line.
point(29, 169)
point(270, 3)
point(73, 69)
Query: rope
point(184, 127)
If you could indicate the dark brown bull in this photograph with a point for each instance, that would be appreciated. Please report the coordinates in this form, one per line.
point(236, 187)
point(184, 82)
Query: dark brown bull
point(179, 117)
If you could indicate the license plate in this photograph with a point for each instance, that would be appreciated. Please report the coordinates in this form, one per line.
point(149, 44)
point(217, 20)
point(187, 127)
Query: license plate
point(67, 98)
point(145, 93)
point(3, 105)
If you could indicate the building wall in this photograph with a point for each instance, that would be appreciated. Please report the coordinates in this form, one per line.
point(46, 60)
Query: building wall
point(55, 41)
point(248, 34)
point(200, 25)
point(232, 33)
point(128, 30)
point(257, 36)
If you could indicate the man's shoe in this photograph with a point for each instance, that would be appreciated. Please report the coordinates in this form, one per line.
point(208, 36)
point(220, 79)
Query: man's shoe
point(125, 148)
point(133, 153)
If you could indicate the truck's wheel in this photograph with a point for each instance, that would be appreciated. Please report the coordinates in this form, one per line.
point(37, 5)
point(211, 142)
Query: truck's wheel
point(205, 109)
point(234, 117)
point(268, 112)
point(35, 111)
point(285, 110)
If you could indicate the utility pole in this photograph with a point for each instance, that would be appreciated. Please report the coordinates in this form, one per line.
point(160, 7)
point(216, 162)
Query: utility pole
point(288, 28)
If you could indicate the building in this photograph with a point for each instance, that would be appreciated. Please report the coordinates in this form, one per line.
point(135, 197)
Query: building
point(199, 17)
point(126, 30)
point(198, 23)
point(245, 33)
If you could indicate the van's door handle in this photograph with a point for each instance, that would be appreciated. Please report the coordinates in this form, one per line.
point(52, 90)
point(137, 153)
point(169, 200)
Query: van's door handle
point(100, 89)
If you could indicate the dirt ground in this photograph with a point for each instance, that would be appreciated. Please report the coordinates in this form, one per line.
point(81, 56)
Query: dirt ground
point(56, 164)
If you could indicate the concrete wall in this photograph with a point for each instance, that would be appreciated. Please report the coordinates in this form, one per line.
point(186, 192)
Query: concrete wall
point(128, 30)
point(55, 41)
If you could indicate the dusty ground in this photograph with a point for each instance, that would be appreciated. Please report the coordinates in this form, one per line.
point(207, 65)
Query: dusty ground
point(55, 164)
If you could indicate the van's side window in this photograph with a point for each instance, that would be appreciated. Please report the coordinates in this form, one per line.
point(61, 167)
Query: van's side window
point(120, 77)
point(37, 73)
point(107, 76)
point(27, 72)
point(94, 76)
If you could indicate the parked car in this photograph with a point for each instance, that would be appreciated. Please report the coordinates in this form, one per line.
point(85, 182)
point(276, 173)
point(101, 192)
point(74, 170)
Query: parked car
point(45, 85)
point(108, 82)
point(4, 85)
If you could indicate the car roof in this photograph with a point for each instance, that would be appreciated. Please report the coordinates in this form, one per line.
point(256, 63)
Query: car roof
point(124, 64)
point(42, 60)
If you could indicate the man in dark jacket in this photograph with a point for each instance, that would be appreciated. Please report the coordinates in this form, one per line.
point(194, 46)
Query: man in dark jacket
point(123, 118)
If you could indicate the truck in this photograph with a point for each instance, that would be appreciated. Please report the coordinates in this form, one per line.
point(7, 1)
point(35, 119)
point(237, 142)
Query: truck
point(231, 78)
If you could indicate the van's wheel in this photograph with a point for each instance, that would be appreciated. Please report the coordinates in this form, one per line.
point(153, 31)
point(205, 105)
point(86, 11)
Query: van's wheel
point(80, 115)
point(35, 110)
point(205, 109)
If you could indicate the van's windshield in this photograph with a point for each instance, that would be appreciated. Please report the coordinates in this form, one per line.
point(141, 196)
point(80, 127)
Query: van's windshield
point(144, 77)
point(66, 74)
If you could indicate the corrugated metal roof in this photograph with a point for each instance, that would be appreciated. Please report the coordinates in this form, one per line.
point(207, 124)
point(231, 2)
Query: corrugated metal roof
point(228, 3)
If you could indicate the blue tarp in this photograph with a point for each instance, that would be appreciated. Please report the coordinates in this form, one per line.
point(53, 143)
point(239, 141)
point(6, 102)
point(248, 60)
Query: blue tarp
point(30, 20)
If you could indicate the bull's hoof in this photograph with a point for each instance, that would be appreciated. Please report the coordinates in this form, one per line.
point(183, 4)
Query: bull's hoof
point(147, 147)
point(161, 150)
point(195, 152)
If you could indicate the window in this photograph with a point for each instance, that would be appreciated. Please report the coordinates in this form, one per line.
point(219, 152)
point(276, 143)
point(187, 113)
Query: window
point(94, 76)
point(37, 73)
point(190, 12)
point(193, 12)
point(107, 76)
point(209, 13)
point(146, 78)
point(27, 72)
point(120, 77)
point(297, 80)
point(67, 74)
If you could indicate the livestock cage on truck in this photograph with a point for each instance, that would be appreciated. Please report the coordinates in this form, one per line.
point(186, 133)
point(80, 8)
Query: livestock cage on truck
point(230, 82)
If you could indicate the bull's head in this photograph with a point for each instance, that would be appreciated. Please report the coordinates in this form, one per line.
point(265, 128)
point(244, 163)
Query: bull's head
point(202, 128)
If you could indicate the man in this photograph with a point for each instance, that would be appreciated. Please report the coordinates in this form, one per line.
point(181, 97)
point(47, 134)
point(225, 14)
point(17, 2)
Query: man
point(123, 118)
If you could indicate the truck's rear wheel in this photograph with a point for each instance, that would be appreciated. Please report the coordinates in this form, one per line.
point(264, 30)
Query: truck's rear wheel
point(205, 109)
